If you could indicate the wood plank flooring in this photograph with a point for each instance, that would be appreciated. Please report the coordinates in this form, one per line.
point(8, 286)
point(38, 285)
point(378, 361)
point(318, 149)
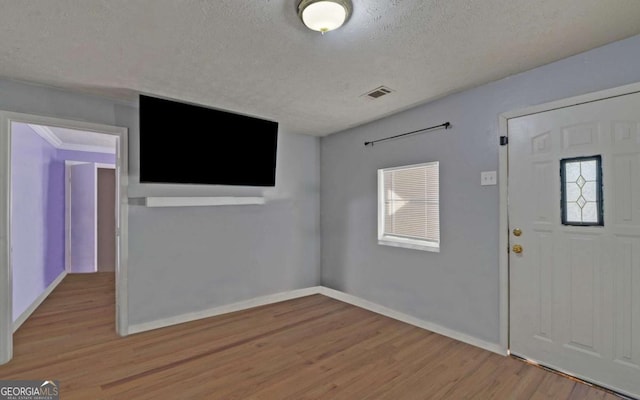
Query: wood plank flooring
point(309, 348)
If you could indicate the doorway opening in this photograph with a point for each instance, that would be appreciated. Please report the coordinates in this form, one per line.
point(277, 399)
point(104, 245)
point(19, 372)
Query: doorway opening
point(90, 223)
point(63, 210)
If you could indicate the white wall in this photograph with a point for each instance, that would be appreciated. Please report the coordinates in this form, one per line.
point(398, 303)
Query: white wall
point(458, 287)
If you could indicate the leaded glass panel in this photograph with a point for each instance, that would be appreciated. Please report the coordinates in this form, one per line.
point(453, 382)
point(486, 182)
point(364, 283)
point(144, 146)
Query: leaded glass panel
point(581, 189)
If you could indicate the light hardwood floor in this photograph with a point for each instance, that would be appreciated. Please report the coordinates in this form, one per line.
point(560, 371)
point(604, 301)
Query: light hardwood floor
point(309, 348)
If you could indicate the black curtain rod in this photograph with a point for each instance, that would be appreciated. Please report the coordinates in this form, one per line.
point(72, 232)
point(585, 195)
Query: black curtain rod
point(446, 125)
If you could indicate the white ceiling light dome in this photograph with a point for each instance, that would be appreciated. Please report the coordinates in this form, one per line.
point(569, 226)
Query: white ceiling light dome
point(324, 15)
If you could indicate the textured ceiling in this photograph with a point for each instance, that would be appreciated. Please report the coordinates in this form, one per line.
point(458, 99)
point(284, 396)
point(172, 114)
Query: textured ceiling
point(255, 56)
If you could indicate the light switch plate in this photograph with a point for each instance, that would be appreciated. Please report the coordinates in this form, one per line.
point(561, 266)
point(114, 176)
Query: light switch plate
point(488, 178)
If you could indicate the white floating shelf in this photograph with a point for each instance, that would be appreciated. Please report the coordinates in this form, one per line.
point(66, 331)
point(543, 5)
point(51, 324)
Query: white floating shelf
point(200, 201)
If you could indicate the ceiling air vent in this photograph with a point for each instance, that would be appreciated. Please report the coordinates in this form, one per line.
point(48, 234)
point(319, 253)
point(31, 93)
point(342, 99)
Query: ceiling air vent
point(378, 92)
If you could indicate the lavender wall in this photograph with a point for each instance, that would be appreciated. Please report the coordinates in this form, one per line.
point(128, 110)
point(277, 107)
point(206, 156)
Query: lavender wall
point(37, 216)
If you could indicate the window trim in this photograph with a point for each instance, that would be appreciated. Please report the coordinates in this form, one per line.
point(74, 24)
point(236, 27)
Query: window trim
point(400, 241)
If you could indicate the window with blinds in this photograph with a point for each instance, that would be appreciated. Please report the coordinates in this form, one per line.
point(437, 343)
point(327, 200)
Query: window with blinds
point(409, 206)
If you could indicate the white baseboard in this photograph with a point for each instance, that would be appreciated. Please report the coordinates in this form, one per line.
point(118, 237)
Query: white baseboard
point(212, 312)
point(335, 294)
point(430, 326)
point(36, 303)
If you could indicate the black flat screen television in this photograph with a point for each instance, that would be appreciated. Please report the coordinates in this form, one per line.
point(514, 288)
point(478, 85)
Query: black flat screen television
point(187, 144)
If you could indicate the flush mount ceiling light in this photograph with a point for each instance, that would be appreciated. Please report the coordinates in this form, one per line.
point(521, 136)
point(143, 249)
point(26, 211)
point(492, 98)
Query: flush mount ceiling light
point(324, 15)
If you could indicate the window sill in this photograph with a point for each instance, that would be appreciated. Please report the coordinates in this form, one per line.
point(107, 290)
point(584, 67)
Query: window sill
point(409, 244)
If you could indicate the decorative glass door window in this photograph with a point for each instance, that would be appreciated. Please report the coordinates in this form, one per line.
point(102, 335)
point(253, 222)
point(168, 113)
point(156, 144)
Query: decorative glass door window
point(581, 191)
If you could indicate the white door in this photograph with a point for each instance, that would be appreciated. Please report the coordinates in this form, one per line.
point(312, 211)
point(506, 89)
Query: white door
point(83, 219)
point(575, 286)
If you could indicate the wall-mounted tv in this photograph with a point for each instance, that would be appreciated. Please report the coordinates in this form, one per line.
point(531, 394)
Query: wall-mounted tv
point(187, 144)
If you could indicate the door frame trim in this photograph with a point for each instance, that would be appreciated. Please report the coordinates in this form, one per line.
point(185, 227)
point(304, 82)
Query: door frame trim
point(6, 281)
point(503, 171)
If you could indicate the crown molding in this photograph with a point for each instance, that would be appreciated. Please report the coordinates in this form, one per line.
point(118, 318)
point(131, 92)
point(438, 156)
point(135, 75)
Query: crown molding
point(47, 134)
point(51, 138)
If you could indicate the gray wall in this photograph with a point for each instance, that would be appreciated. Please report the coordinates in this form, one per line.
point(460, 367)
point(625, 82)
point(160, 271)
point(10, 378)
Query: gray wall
point(458, 287)
point(184, 260)
point(43, 100)
point(189, 259)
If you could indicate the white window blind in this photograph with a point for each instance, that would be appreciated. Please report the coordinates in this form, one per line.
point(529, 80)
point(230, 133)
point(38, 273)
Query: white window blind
point(409, 206)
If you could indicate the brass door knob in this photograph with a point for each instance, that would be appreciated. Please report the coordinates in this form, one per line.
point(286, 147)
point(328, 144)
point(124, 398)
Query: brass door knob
point(517, 232)
point(517, 248)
